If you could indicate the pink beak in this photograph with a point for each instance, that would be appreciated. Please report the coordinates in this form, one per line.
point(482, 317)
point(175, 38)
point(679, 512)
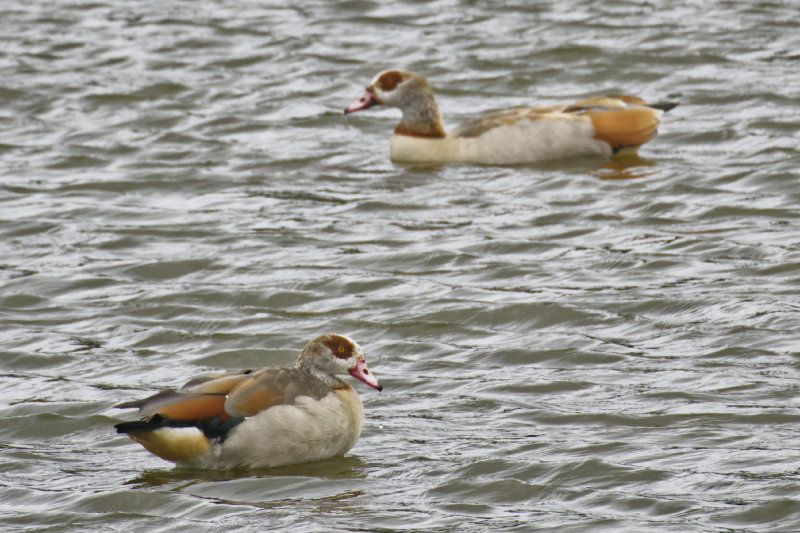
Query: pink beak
point(362, 373)
point(367, 100)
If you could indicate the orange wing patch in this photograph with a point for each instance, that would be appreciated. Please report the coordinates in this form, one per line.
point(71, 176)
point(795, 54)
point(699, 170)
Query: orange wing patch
point(178, 405)
point(252, 396)
point(625, 127)
point(188, 407)
point(195, 407)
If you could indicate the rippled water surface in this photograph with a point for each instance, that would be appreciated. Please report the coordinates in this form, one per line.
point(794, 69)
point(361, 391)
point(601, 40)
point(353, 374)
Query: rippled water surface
point(572, 346)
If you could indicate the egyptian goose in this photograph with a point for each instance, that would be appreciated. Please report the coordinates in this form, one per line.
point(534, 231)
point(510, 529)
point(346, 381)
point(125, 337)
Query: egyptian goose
point(598, 126)
point(259, 418)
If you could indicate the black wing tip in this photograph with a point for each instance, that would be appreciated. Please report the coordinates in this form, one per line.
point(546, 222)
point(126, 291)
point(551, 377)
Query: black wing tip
point(139, 425)
point(213, 428)
point(129, 405)
point(151, 424)
point(666, 106)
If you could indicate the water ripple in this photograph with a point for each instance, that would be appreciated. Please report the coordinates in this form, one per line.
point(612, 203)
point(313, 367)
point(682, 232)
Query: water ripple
point(575, 346)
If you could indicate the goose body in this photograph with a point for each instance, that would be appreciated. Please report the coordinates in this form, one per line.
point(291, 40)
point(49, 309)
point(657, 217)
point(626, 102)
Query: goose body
point(598, 126)
point(258, 418)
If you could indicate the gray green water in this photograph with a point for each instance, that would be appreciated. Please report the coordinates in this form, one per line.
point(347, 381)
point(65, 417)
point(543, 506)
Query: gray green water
point(576, 346)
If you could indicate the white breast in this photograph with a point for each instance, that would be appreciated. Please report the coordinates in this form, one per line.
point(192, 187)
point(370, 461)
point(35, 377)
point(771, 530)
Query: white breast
point(308, 430)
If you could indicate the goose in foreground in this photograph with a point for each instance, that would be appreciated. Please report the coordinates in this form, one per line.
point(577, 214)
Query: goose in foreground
point(258, 418)
point(599, 126)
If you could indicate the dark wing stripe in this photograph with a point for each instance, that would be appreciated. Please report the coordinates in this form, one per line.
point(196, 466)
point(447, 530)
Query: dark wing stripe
point(212, 428)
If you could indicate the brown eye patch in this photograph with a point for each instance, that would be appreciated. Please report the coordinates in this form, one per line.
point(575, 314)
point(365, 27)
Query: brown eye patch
point(339, 346)
point(389, 80)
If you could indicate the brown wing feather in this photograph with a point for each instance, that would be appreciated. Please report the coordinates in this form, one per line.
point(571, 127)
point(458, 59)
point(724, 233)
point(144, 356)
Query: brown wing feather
point(201, 397)
point(179, 405)
point(629, 99)
point(598, 103)
point(478, 126)
point(191, 407)
point(243, 393)
point(620, 120)
point(273, 386)
point(219, 384)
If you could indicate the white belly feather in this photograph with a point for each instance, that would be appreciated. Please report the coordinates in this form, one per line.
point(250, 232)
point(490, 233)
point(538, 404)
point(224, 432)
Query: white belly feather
point(305, 431)
point(524, 141)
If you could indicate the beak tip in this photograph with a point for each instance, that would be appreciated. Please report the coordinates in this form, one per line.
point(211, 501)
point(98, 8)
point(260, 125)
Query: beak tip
point(367, 100)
